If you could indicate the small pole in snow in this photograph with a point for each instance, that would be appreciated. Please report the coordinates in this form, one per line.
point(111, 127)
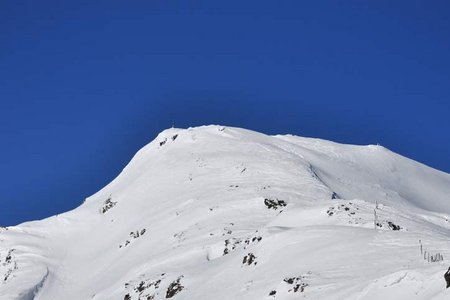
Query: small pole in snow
point(421, 248)
point(376, 204)
point(428, 257)
point(375, 219)
point(425, 255)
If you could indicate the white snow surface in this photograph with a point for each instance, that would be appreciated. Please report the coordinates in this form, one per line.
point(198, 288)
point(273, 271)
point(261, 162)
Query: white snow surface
point(217, 212)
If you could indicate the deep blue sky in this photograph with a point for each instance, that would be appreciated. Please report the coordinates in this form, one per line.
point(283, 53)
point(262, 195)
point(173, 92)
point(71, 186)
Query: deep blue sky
point(85, 84)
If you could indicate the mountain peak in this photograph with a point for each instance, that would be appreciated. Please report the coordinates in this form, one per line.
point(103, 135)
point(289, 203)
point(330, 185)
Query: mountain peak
point(227, 213)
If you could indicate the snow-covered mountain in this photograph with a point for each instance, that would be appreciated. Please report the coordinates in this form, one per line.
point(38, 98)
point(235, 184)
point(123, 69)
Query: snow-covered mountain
point(225, 213)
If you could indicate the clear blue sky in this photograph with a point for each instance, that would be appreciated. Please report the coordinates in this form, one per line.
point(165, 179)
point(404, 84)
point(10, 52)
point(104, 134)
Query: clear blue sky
point(85, 84)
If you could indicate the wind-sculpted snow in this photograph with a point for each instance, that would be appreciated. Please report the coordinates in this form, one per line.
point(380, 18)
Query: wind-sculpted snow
point(31, 294)
point(225, 213)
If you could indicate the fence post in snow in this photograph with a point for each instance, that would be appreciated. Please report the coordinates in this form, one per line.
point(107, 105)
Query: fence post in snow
point(421, 248)
point(425, 255)
point(375, 219)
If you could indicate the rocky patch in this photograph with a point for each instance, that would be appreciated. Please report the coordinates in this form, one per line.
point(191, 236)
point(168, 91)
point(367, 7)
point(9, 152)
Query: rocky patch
point(230, 245)
point(274, 203)
point(364, 214)
point(393, 226)
point(174, 288)
point(149, 289)
point(133, 235)
point(107, 205)
point(249, 259)
point(292, 285)
point(163, 142)
point(389, 225)
point(349, 209)
point(8, 265)
point(296, 284)
point(233, 243)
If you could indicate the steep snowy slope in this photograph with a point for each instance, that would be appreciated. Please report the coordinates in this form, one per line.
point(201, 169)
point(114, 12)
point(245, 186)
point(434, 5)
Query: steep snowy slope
point(225, 213)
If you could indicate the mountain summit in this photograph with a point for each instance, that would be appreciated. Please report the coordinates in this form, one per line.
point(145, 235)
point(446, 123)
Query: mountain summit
point(218, 212)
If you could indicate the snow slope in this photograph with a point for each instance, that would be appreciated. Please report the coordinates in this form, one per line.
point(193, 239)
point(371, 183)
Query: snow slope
point(225, 213)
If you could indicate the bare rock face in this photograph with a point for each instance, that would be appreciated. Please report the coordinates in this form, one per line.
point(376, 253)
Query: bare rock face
point(249, 259)
point(174, 288)
point(274, 203)
point(107, 205)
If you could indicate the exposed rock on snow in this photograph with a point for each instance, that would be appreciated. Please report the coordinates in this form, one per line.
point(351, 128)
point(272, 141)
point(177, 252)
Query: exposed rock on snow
point(274, 204)
point(108, 204)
